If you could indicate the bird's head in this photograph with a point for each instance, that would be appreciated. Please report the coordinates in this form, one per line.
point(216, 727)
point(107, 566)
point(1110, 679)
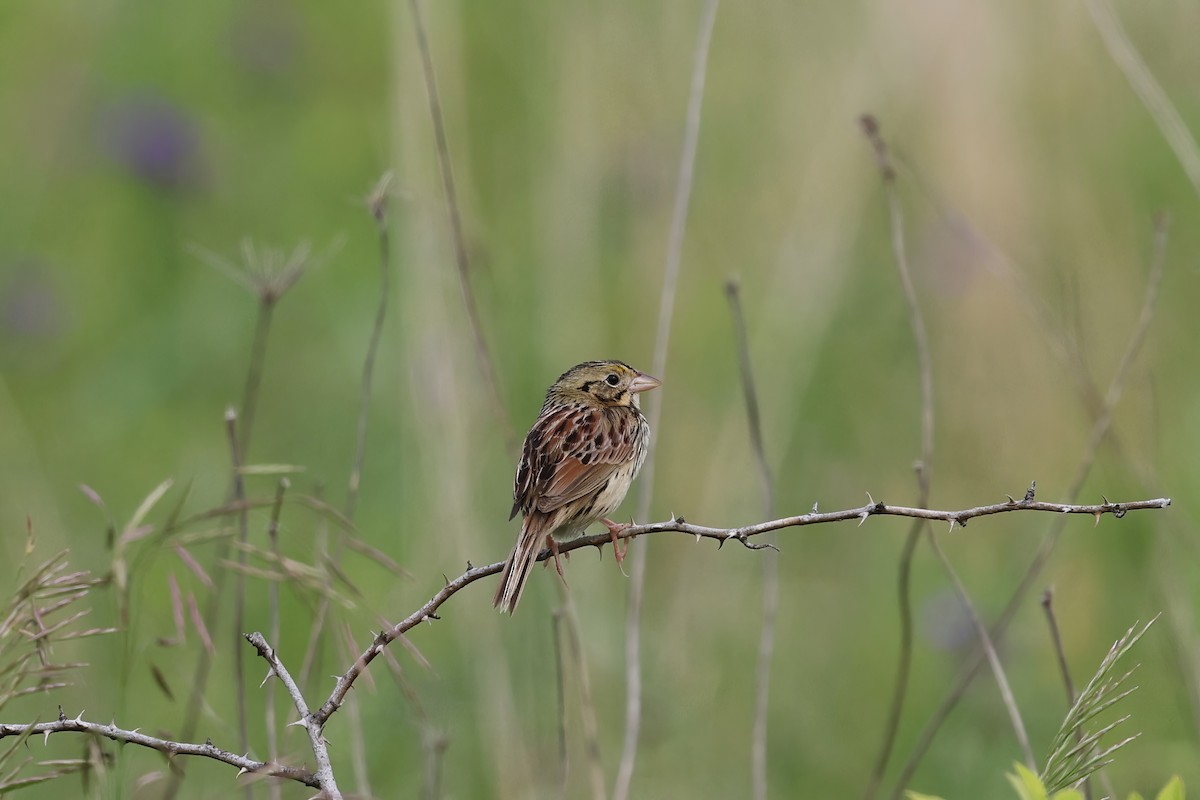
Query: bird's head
point(603, 383)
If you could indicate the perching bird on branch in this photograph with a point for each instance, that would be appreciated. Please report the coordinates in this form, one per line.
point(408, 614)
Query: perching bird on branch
point(577, 463)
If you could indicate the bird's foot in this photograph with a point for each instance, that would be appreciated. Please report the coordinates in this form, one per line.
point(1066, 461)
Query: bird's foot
point(614, 531)
point(553, 545)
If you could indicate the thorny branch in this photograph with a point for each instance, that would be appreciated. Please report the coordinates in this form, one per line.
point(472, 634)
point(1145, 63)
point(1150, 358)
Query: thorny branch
point(206, 750)
point(316, 736)
point(743, 535)
point(314, 720)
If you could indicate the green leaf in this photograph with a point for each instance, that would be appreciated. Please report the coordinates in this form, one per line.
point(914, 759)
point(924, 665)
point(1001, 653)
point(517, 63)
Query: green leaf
point(1173, 790)
point(911, 795)
point(1068, 794)
point(1135, 796)
point(1027, 784)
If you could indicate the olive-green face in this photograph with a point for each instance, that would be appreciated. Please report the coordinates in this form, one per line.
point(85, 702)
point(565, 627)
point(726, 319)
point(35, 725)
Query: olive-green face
point(611, 383)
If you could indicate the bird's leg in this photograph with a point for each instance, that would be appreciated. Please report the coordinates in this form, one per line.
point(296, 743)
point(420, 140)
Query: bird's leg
point(553, 545)
point(614, 531)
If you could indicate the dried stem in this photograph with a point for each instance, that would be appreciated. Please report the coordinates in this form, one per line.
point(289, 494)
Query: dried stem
point(239, 597)
point(274, 791)
point(1061, 656)
point(254, 372)
point(377, 203)
point(985, 641)
point(904, 658)
point(269, 276)
point(482, 354)
point(1148, 90)
point(587, 706)
point(770, 564)
point(433, 742)
point(924, 466)
point(560, 669)
point(1100, 430)
point(320, 748)
point(683, 193)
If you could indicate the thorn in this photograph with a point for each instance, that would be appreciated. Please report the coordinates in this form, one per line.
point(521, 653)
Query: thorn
point(1031, 492)
point(46, 737)
point(79, 719)
point(1105, 499)
point(1097, 515)
point(300, 722)
point(870, 500)
point(815, 509)
point(1011, 502)
point(951, 525)
point(447, 580)
point(240, 773)
point(863, 517)
point(270, 672)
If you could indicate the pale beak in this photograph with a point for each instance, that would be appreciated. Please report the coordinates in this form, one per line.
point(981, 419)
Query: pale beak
point(643, 383)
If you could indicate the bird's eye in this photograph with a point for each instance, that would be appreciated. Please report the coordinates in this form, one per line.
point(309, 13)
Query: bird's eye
point(612, 379)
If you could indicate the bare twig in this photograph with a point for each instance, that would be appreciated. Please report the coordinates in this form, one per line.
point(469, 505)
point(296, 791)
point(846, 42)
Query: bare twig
point(1100, 430)
point(1149, 91)
point(166, 746)
point(742, 535)
point(273, 789)
point(683, 194)
point(482, 354)
point(324, 772)
point(770, 564)
point(1061, 656)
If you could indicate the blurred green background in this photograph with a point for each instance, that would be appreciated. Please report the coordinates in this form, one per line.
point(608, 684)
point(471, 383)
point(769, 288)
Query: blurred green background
point(134, 132)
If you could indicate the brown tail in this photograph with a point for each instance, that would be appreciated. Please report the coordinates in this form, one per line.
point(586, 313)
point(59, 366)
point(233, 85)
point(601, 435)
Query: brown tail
point(516, 568)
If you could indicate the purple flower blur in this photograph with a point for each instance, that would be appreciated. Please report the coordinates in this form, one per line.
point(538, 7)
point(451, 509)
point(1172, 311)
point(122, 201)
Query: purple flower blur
point(153, 139)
